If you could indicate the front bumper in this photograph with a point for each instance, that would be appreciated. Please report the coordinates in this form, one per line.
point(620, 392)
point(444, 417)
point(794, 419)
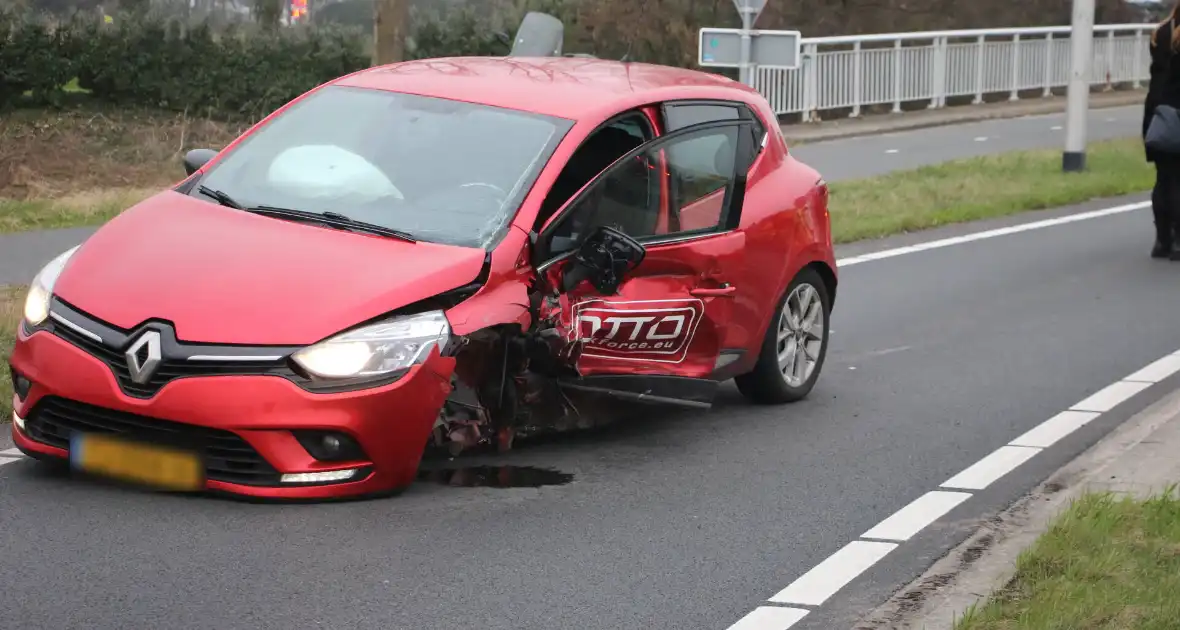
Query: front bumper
point(241, 424)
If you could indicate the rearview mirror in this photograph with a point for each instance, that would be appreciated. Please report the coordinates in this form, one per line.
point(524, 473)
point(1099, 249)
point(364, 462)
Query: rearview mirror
point(605, 258)
point(195, 159)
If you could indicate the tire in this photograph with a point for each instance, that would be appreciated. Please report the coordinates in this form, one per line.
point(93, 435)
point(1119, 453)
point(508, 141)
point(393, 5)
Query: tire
point(767, 383)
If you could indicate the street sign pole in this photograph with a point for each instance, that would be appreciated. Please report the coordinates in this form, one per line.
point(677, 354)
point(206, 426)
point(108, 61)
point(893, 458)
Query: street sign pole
point(749, 10)
point(744, 73)
point(1081, 39)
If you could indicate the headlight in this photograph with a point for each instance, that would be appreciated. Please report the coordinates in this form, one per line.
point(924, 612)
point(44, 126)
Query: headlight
point(377, 349)
point(41, 290)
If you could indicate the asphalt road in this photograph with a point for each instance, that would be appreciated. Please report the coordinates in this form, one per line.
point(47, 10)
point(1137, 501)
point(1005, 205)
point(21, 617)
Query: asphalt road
point(21, 255)
point(680, 520)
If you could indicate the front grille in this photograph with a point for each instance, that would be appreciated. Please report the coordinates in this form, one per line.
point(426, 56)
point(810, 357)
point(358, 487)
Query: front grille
point(169, 369)
point(228, 458)
point(178, 359)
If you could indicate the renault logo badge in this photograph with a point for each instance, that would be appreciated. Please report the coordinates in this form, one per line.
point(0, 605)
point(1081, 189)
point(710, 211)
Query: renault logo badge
point(143, 357)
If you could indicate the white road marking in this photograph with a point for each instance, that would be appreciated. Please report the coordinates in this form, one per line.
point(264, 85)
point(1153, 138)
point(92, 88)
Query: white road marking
point(891, 150)
point(817, 585)
point(1055, 128)
point(982, 473)
point(981, 139)
point(1108, 397)
point(1047, 433)
point(12, 452)
point(986, 234)
point(1157, 371)
point(770, 618)
point(912, 518)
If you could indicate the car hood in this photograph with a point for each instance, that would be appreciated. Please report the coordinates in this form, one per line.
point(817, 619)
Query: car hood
point(226, 276)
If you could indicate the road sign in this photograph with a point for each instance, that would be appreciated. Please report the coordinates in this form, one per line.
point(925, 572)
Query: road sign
point(722, 48)
point(753, 7)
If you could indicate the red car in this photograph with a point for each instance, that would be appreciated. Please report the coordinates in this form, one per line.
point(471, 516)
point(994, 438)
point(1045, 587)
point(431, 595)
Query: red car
point(456, 251)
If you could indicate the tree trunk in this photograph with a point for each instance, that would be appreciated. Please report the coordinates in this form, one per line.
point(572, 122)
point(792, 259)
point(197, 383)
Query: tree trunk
point(391, 25)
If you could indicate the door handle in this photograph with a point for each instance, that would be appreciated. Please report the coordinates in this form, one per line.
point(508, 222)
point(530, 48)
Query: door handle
point(725, 290)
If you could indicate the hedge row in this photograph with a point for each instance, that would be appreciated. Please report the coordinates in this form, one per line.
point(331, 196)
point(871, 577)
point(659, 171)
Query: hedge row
point(233, 72)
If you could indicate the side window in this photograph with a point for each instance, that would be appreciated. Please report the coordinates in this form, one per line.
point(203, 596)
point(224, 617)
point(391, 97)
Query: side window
point(595, 154)
point(700, 168)
point(687, 115)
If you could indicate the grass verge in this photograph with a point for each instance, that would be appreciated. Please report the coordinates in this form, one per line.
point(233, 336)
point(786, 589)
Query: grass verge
point(1106, 563)
point(12, 301)
point(983, 188)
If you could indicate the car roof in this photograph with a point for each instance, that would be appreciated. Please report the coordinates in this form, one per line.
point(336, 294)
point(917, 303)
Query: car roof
point(566, 87)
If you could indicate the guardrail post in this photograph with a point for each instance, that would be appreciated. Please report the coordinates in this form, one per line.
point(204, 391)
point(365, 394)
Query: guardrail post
point(939, 79)
point(897, 76)
point(857, 79)
point(1048, 66)
point(1110, 70)
point(810, 58)
point(979, 59)
point(1015, 67)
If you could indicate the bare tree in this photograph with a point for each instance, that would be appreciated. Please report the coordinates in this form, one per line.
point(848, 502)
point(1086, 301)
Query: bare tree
point(391, 25)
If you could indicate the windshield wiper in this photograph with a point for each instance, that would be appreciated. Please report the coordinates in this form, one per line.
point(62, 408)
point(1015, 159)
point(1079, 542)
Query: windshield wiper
point(221, 197)
point(334, 219)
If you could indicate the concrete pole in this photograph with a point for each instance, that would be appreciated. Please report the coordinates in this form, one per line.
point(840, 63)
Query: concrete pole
point(744, 73)
point(1081, 40)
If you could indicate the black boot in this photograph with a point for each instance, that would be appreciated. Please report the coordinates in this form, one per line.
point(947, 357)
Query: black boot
point(1174, 252)
point(1161, 249)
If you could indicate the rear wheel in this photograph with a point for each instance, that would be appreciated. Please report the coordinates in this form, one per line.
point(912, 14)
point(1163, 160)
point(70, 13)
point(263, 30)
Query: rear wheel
point(795, 345)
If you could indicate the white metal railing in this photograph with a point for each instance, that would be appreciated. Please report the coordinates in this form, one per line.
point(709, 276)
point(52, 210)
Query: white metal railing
point(897, 68)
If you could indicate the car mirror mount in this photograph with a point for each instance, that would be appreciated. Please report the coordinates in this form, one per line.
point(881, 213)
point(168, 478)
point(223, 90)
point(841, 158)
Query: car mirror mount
point(195, 159)
point(604, 258)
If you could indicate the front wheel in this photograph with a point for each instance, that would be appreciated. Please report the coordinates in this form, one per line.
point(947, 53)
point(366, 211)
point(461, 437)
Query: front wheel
point(795, 345)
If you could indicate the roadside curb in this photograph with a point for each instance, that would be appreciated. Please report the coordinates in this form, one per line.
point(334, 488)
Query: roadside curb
point(1136, 457)
point(799, 134)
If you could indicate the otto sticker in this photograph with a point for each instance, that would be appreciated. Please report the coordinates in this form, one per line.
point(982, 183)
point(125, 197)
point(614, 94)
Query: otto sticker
point(645, 330)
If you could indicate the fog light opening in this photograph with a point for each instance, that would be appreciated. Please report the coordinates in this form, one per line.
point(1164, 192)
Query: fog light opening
point(320, 477)
point(330, 446)
point(20, 385)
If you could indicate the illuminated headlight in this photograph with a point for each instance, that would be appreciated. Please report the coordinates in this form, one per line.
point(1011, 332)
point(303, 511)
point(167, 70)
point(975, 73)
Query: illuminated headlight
point(377, 349)
point(41, 290)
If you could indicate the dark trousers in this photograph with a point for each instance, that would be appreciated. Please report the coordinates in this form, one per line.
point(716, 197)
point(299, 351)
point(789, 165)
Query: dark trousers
point(1165, 201)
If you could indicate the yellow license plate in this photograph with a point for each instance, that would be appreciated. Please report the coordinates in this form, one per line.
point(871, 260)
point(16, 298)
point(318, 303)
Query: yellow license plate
point(161, 467)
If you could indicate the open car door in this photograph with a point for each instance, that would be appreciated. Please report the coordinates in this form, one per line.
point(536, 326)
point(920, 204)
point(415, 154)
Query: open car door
point(642, 267)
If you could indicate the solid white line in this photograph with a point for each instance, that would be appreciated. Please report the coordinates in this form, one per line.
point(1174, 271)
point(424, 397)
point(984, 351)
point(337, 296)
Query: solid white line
point(910, 519)
point(1110, 396)
point(770, 618)
point(1157, 371)
point(12, 452)
point(986, 234)
point(821, 582)
point(982, 473)
point(1048, 432)
point(9, 460)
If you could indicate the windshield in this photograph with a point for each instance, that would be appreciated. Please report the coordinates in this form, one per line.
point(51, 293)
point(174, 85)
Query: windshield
point(440, 170)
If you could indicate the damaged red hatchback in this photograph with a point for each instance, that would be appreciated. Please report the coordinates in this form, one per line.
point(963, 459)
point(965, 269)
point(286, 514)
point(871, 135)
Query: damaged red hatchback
point(456, 251)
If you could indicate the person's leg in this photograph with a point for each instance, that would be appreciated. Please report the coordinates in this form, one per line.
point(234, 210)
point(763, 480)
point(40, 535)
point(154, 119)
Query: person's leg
point(1160, 211)
point(1170, 171)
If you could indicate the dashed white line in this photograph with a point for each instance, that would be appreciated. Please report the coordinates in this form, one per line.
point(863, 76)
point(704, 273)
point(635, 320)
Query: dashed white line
point(1055, 128)
point(1157, 371)
point(981, 139)
point(1047, 433)
point(1110, 396)
point(986, 234)
point(817, 585)
point(912, 518)
point(984, 472)
point(770, 618)
point(891, 151)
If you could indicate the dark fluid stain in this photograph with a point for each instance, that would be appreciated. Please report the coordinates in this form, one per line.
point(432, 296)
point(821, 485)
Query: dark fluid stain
point(495, 477)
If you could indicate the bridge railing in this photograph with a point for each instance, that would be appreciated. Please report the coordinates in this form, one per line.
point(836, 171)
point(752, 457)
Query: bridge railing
point(900, 71)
